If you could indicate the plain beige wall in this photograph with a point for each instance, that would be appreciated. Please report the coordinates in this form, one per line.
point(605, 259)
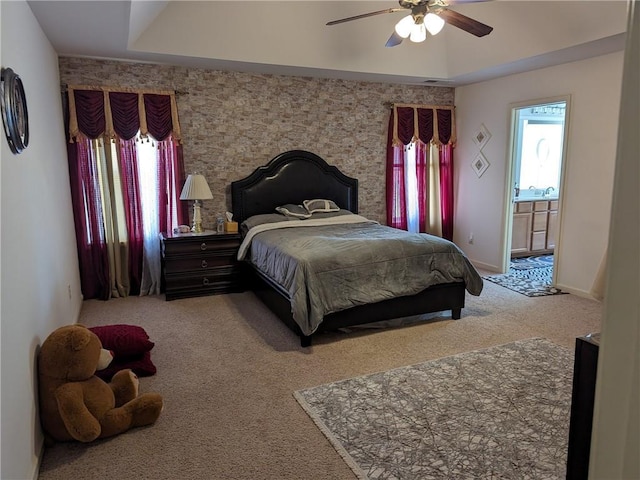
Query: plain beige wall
point(615, 443)
point(594, 86)
point(39, 263)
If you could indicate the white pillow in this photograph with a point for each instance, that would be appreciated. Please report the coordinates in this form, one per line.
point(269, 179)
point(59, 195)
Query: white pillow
point(320, 205)
point(291, 210)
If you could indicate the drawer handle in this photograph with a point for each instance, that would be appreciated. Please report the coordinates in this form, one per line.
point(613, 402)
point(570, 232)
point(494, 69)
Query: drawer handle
point(204, 264)
point(203, 246)
point(205, 281)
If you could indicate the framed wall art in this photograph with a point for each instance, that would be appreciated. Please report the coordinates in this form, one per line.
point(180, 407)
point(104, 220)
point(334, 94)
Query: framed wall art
point(481, 136)
point(480, 164)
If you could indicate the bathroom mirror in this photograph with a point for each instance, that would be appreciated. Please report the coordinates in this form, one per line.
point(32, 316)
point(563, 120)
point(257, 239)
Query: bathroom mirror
point(538, 152)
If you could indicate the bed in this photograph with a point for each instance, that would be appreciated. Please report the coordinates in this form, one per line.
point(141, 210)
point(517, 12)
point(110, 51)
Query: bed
point(308, 302)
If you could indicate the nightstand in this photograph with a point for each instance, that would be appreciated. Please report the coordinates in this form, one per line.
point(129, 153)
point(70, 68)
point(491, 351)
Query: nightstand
point(195, 264)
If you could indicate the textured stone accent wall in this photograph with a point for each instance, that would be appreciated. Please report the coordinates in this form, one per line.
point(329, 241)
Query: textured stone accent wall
point(234, 122)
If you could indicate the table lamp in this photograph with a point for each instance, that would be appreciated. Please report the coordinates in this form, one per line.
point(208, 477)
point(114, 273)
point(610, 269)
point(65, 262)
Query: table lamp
point(196, 189)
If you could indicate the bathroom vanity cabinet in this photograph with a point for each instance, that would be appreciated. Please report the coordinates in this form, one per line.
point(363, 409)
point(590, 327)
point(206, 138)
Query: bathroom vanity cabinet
point(534, 227)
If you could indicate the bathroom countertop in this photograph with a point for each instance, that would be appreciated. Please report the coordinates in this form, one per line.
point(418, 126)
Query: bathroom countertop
point(536, 198)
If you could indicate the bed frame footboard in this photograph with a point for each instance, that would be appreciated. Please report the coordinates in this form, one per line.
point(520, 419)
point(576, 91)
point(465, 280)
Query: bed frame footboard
point(437, 298)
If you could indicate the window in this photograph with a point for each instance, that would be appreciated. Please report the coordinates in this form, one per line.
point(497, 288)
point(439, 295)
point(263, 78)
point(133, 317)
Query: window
point(416, 202)
point(123, 194)
point(419, 173)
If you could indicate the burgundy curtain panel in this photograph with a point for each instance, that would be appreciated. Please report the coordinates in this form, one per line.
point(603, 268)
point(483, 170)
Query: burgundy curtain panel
point(159, 121)
point(125, 113)
point(396, 200)
point(446, 190)
point(133, 211)
point(423, 125)
point(89, 225)
point(170, 179)
point(446, 126)
point(422, 182)
point(94, 113)
point(91, 119)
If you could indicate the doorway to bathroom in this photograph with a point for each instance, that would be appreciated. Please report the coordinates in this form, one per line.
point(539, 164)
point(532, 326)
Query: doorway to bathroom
point(535, 183)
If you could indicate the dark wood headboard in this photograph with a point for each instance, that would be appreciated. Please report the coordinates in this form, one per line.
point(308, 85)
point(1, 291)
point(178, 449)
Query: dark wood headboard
point(292, 177)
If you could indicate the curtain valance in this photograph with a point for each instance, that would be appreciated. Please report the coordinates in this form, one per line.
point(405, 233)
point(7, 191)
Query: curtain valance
point(427, 123)
point(96, 111)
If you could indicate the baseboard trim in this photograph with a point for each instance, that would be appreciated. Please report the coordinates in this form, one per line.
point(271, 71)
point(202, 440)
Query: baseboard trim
point(36, 472)
point(575, 291)
point(485, 266)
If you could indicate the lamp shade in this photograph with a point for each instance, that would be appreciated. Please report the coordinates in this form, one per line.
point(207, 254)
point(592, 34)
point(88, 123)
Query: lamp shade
point(418, 33)
point(404, 26)
point(196, 188)
point(433, 23)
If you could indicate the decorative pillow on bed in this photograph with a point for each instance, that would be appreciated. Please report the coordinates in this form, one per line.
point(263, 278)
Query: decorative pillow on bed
point(262, 218)
point(291, 210)
point(320, 205)
point(331, 214)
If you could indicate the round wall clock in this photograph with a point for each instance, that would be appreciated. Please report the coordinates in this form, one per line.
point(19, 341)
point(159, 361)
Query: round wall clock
point(14, 110)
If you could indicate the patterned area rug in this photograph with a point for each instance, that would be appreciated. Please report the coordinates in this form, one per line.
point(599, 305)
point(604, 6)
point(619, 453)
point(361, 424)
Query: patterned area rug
point(502, 412)
point(530, 276)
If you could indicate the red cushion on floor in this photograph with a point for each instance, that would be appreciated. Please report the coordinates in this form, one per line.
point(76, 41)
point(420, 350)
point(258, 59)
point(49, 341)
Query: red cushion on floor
point(123, 340)
point(141, 366)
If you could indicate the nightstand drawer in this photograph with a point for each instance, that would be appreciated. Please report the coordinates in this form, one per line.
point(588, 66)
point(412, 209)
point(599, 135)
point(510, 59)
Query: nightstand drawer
point(183, 263)
point(222, 280)
point(197, 245)
point(208, 279)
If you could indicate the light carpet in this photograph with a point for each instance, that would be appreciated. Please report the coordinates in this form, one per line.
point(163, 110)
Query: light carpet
point(227, 368)
point(530, 276)
point(501, 412)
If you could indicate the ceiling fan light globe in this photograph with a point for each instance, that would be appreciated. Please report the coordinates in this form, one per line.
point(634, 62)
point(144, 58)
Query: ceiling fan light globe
point(405, 26)
point(433, 23)
point(418, 33)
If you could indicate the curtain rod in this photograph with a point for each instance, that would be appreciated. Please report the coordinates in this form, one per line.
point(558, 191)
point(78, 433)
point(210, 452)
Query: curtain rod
point(65, 87)
point(418, 105)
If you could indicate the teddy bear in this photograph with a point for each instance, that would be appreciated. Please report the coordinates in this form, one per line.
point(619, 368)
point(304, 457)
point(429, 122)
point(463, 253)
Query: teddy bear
point(77, 405)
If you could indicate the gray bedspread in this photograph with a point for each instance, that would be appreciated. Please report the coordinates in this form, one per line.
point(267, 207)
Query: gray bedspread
point(328, 268)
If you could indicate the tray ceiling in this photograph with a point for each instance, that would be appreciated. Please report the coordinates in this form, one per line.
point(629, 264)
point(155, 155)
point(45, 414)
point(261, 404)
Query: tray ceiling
point(291, 38)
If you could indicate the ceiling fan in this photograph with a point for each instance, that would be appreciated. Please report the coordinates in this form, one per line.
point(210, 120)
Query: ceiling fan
point(426, 15)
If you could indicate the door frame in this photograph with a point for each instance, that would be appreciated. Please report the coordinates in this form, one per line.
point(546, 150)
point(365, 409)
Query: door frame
point(509, 194)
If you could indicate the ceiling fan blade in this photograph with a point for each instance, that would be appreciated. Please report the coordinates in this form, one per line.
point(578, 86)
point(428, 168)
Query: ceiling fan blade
point(394, 40)
point(365, 15)
point(465, 23)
